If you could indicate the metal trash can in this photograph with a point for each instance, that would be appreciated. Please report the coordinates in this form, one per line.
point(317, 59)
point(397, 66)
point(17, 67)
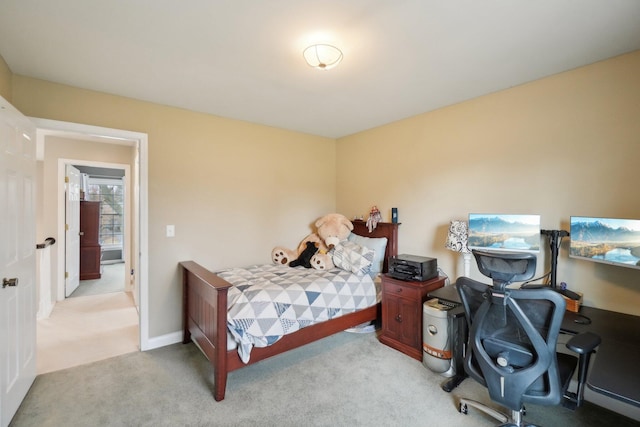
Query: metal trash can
point(436, 340)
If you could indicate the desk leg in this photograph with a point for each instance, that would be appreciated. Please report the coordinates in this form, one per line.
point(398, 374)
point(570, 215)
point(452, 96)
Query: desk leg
point(453, 382)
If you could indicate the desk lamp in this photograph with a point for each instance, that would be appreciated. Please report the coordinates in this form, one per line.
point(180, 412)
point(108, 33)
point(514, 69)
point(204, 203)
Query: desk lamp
point(457, 242)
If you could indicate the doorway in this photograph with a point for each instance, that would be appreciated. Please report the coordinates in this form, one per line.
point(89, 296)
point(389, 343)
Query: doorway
point(89, 328)
point(105, 200)
point(139, 214)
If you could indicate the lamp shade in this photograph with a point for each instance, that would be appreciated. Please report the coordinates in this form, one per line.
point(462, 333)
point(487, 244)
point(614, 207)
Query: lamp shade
point(457, 237)
point(322, 56)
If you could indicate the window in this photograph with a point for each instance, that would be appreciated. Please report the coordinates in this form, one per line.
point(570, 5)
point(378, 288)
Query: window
point(110, 193)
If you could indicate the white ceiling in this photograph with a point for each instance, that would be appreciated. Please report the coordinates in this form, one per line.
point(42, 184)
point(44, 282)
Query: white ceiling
point(243, 59)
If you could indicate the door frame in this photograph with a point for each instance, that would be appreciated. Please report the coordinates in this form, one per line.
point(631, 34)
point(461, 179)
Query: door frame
point(140, 212)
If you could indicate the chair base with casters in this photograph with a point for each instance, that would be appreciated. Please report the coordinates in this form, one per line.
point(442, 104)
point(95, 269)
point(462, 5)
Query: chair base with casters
point(502, 417)
point(584, 345)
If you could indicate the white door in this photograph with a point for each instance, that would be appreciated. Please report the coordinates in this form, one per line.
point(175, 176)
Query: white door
point(72, 241)
point(18, 303)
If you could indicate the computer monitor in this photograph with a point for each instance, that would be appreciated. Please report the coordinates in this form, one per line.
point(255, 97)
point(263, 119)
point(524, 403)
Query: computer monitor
point(614, 241)
point(506, 232)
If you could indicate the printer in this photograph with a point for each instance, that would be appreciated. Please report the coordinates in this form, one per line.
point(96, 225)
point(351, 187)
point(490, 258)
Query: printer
point(413, 267)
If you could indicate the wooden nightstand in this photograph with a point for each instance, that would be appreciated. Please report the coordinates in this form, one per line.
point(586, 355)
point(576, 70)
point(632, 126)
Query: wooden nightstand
point(402, 313)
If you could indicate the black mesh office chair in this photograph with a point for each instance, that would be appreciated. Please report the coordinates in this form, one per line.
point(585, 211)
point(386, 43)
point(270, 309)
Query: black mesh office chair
point(513, 335)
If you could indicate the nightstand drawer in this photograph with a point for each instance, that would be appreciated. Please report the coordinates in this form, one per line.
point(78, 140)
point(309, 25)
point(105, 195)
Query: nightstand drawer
point(406, 291)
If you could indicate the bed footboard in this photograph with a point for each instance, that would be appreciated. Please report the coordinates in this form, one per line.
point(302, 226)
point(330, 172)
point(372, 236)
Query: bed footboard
point(205, 318)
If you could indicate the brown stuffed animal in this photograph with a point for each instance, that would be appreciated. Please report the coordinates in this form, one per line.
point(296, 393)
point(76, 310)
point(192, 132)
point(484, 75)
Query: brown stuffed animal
point(330, 230)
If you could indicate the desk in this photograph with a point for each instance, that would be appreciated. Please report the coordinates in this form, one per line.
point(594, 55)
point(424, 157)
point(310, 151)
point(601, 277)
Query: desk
point(615, 368)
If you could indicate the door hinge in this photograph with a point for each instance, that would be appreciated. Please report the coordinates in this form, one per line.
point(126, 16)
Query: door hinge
point(66, 274)
point(66, 179)
point(66, 227)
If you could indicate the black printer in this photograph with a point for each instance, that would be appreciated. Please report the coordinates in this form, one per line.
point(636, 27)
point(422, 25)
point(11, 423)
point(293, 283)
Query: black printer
point(413, 267)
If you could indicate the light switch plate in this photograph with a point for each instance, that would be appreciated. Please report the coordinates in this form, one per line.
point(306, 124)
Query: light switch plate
point(171, 230)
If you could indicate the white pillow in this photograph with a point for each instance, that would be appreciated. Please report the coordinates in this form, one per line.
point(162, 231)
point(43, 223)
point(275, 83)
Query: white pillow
point(352, 257)
point(378, 244)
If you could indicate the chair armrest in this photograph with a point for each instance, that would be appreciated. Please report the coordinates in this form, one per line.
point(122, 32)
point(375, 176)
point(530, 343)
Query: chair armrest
point(584, 343)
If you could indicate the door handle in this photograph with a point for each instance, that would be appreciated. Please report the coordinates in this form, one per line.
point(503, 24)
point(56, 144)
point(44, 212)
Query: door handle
point(9, 282)
point(81, 233)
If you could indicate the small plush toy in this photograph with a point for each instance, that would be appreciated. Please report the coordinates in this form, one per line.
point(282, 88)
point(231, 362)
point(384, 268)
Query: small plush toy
point(330, 230)
point(374, 218)
point(304, 259)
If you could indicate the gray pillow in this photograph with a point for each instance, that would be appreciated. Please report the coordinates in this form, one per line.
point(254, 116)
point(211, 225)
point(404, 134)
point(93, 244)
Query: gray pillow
point(378, 244)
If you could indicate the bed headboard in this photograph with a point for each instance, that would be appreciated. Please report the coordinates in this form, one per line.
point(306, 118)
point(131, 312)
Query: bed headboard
point(383, 229)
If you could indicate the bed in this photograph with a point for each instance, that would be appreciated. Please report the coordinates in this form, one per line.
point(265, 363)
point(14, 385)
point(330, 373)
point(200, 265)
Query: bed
point(205, 302)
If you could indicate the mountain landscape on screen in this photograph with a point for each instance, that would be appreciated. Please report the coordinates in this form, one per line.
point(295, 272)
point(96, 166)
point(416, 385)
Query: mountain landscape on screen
point(504, 232)
point(614, 241)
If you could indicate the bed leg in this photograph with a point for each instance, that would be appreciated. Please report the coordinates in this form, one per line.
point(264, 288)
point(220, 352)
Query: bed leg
point(220, 365)
point(220, 385)
point(186, 335)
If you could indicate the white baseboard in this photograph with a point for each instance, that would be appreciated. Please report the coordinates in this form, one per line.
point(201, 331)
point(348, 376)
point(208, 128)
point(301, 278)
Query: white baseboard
point(45, 310)
point(163, 340)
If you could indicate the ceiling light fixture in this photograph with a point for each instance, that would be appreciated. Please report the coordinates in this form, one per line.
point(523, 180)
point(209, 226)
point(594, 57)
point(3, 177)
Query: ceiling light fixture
point(322, 56)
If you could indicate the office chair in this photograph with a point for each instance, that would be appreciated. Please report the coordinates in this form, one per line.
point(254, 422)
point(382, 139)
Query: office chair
point(513, 335)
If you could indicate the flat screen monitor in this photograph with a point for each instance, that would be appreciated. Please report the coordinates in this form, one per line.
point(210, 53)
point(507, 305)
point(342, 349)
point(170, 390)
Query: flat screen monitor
point(504, 232)
point(612, 241)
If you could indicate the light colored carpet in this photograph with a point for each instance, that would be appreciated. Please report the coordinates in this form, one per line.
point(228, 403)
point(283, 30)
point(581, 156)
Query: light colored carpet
point(343, 380)
point(87, 329)
point(112, 279)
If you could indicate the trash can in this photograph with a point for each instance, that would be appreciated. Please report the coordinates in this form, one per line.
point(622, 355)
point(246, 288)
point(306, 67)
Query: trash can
point(436, 340)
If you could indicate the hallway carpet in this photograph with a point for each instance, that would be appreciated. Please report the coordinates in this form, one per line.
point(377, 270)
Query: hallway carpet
point(112, 280)
point(87, 329)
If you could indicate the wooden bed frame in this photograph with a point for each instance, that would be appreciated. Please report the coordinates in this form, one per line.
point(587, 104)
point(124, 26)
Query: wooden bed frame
point(204, 293)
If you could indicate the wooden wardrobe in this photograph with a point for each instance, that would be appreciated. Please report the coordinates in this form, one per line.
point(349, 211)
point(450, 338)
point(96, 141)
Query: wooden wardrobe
point(90, 250)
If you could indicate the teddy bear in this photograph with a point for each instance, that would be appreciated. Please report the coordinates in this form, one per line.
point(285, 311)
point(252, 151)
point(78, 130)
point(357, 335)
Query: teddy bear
point(331, 229)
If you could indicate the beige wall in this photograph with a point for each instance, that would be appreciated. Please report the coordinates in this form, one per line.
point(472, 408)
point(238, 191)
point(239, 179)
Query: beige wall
point(565, 145)
point(561, 146)
point(5, 80)
point(233, 189)
point(48, 196)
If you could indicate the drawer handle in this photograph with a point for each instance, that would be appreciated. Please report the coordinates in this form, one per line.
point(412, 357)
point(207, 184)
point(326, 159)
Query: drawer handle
point(399, 318)
point(399, 290)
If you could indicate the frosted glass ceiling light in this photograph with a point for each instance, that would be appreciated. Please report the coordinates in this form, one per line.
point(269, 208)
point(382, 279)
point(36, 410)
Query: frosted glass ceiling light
point(322, 56)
